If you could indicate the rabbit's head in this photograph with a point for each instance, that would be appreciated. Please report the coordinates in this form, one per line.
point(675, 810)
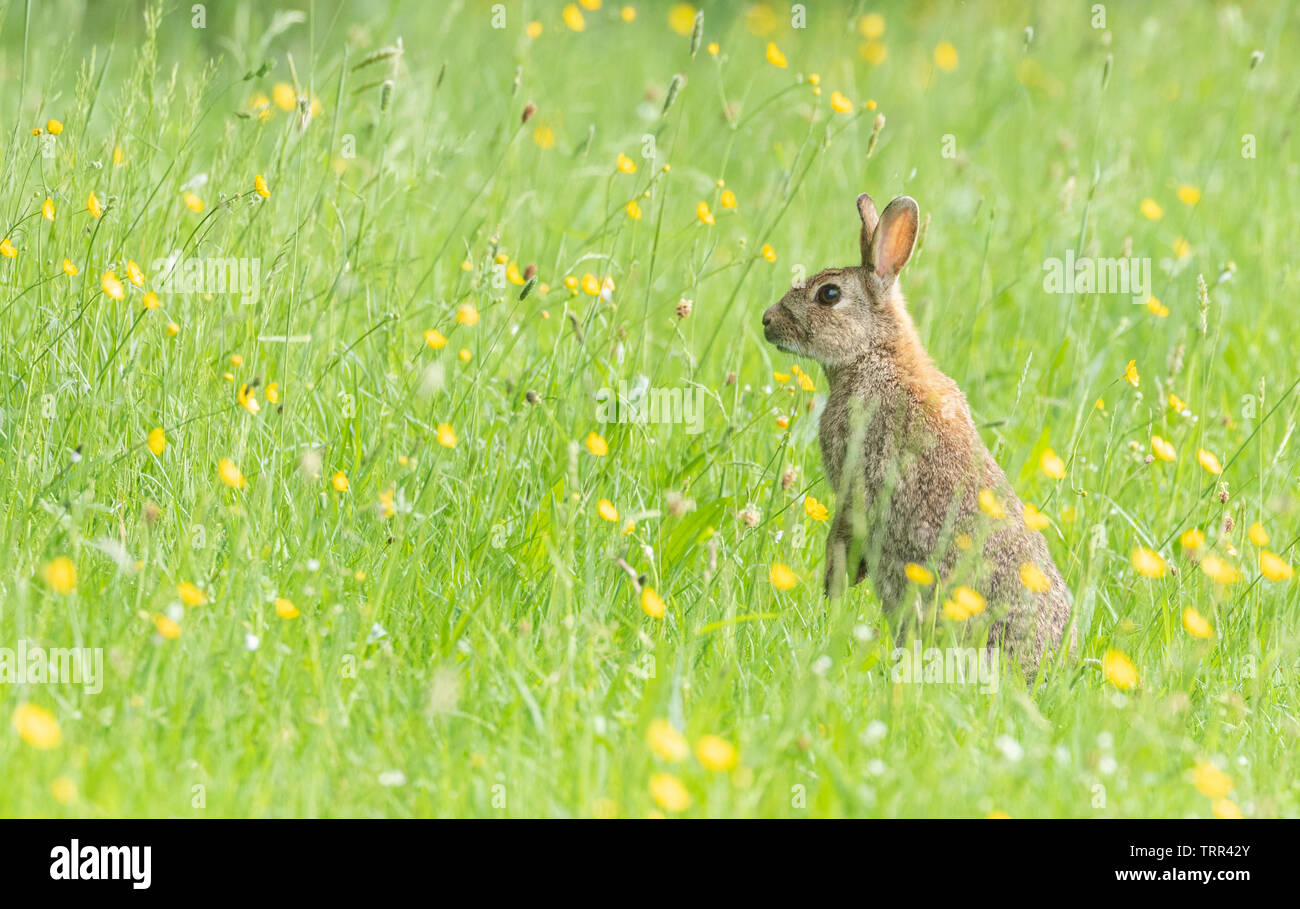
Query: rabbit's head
point(840, 313)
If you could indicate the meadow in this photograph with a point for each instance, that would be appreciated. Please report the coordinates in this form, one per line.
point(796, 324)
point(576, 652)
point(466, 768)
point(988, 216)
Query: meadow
point(314, 325)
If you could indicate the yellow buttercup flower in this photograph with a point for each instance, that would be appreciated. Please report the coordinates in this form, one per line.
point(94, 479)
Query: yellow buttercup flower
point(727, 200)
point(702, 212)
point(625, 164)
point(435, 339)
point(1209, 461)
point(1051, 464)
point(230, 474)
point(607, 510)
point(69, 269)
point(340, 481)
point(157, 440)
point(716, 753)
point(167, 627)
point(285, 609)
point(681, 18)
point(633, 210)
point(1192, 539)
point(7, 248)
point(1220, 571)
point(596, 445)
point(963, 604)
point(1196, 625)
point(193, 202)
point(573, 17)
point(47, 209)
point(945, 56)
point(990, 505)
point(782, 577)
point(1119, 670)
point(1210, 781)
point(1148, 563)
point(1151, 210)
point(259, 184)
point(652, 604)
point(1258, 535)
point(37, 727)
point(840, 103)
point(190, 594)
point(467, 314)
point(1033, 579)
point(54, 127)
point(774, 55)
point(92, 205)
point(1274, 567)
point(1162, 449)
point(1188, 195)
point(61, 575)
point(669, 792)
point(112, 286)
point(1034, 519)
point(1225, 810)
point(918, 574)
point(446, 435)
point(666, 742)
point(769, 253)
point(1131, 374)
point(815, 509)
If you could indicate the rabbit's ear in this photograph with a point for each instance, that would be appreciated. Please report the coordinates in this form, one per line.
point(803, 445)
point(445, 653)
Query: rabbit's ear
point(867, 212)
point(893, 238)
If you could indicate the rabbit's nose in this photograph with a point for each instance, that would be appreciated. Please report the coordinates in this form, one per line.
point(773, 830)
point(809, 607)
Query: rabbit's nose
point(767, 319)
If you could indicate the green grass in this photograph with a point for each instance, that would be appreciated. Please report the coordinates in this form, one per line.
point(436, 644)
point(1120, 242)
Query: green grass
point(517, 673)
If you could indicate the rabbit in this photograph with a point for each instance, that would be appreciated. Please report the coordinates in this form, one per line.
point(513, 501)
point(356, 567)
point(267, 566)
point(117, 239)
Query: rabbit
point(912, 480)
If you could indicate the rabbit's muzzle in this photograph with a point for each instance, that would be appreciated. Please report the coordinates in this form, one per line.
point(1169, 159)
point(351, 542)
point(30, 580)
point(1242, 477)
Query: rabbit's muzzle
point(777, 328)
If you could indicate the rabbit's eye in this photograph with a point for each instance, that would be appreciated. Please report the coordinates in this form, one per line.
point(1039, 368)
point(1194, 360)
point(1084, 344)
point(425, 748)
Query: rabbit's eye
point(828, 294)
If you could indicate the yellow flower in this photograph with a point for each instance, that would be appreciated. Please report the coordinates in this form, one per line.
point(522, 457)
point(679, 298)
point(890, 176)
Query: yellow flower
point(627, 14)
point(713, 48)
point(874, 52)
point(841, 104)
point(285, 608)
point(157, 440)
point(435, 339)
point(1208, 460)
point(1192, 539)
point(466, 314)
point(1177, 403)
point(1274, 567)
point(945, 56)
point(596, 445)
point(544, 136)
point(92, 205)
point(774, 55)
point(1182, 249)
point(918, 574)
point(64, 790)
point(1220, 571)
point(230, 474)
point(387, 507)
point(781, 377)
point(681, 18)
point(590, 284)
point(1033, 579)
point(1119, 670)
point(1159, 309)
point(273, 392)
point(573, 17)
point(1210, 781)
point(247, 399)
point(716, 753)
point(1258, 535)
point(1162, 449)
point(872, 25)
point(1148, 563)
point(259, 184)
point(634, 210)
point(702, 212)
point(781, 576)
point(166, 627)
point(1225, 810)
point(47, 209)
point(112, 286)
point(669, 792)
point(134, 274)
point(625, 164)
point(61, 575)
point(1051, 464)
point(284, 96)
point(815, 509)
point(607, 510)
point(728, 199)
point(37, 726)
point(190, 594)
point(119, 156)
point(1188, 195)
point(446, 435)
point(964, 603)
point(769, 253)
point(1151, 210)
point(1131, 374)
point(193, 202)
point(533, 30)
point(990, 505)
point(7, 249)
point(1034, 519)
point(666, 742)
point(54, 127)
point(150, 300)
point(69, 269)
point(652, 604)
point(1195, 624)
point(340, 481)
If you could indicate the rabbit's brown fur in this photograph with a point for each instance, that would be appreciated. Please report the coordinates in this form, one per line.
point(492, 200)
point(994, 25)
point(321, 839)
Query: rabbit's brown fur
point(904, 459)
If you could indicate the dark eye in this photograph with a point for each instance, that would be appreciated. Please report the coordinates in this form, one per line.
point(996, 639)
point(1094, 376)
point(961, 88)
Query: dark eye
point(828, 294)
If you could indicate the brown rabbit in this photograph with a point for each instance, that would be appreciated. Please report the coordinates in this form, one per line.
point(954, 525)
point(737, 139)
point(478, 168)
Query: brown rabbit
point(913, 481)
